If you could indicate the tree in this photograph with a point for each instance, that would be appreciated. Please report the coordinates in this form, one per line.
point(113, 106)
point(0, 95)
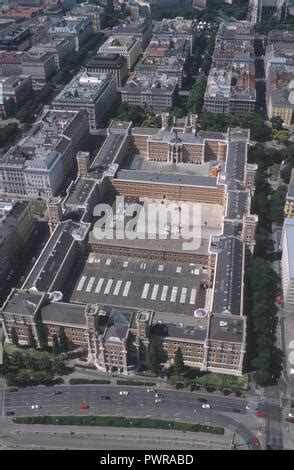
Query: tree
point(23, 378)
point(63, 340)
point(153, 358)
point(277, 205)
point(277, 122)
point(29, 361)
point(16, 359)
point(58, 366)
point(262, 377)
point(179, 366)
point(55, 345)
point(14, 336)
point(31, 339)
point(43, 362)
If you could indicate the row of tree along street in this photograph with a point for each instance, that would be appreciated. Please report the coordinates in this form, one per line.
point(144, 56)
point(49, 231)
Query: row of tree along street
point(263, 285)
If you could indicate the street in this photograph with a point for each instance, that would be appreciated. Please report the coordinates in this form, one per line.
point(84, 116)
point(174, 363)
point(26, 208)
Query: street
point(178, 406)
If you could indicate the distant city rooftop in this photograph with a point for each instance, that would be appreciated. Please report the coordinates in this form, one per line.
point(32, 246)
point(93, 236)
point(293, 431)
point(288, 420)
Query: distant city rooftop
point(83, 88)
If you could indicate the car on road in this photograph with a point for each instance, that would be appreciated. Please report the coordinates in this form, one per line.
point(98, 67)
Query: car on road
point(255, 441)
point(57, 392)
point(248, 407)
point(105, 397)
point(291, 414)
point(123, 392)
point(158, 400)
point(206, 405)
point(150, 390)
point(84, 406)
point(236, 410)
point(36, 407)
point(10, 413)
point(260, 414)
point(12, 389)
point(202, 400)
point(289, 419)
point(159, 395)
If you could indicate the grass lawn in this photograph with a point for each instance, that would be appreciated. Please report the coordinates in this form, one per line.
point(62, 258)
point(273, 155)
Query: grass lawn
point(220, 381)
point(118, 421)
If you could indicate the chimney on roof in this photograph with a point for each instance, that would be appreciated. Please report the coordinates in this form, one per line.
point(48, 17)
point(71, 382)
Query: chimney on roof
point(83, 162)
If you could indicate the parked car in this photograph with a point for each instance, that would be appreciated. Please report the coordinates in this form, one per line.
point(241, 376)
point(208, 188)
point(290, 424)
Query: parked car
point(10, 413)
point(260, 414)
point(202, 400)
point(36, 407)
point(206, 405)
point(12, 389)
point(123, 392)
point(105, 397)
point(255, 441)
point(57, 392)
point(84, 406)
point(290, 419)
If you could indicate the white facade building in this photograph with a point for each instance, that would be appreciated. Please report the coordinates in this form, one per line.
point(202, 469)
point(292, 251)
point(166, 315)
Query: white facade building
point(287, 242)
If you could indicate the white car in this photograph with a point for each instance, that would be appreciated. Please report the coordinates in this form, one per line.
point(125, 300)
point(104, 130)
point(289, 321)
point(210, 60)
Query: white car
point(123, 392)
point(36, 407)
point(206, 405)
point(150, 390)
point(248, 407)
point(157, 400)
point(291, 414)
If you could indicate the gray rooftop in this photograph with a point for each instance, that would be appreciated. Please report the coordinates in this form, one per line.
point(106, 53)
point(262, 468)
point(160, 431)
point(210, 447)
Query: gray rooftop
point(141, 283)
point(83, 88)
point(233, 328)
point(51, 258)
point(176, 326)
point(79, 192)
point(152, 177)
point(108, 152)
point(64, 313)
point(228, 277)
point(22, 302)
point(237, 204)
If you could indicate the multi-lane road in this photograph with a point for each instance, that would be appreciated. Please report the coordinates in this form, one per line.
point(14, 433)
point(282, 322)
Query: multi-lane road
point(230, 413)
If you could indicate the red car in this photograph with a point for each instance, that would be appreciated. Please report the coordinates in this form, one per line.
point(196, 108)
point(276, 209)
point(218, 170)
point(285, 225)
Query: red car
point(84, 406)
point(290, 419)
point(255, 441)
point(12, 389)
point(260, 414)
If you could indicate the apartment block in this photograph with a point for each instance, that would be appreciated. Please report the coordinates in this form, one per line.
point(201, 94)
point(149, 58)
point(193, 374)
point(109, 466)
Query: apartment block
point(138, 27)
point(158, 93)
point(95, 12)
point(16, 225)
point(38, 64)
point(61, 48)
point(287, 245)
point(104, 62)
point(39, 163)
point(231, 90)
point(129, 47)
point(93, 92)
point(81, 29)
point(289, 203)
point(14, 91)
